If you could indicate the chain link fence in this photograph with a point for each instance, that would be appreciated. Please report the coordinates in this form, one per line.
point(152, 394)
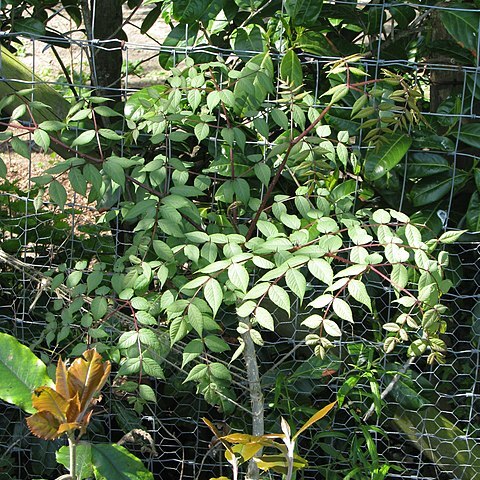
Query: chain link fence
point(429, 427)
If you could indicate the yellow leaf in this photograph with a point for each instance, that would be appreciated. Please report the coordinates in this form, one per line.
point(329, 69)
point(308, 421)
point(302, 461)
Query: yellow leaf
point(238, 438)
point(278, 463)
point(67, 427)
point(247, 450)
point(315, 418)
point(47, 399)
point(215, 431)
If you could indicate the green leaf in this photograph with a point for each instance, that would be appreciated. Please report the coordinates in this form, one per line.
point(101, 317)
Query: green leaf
point(451, 237)
point(264, 318)
point(105, 111)
point(256, 83)
point(279, 297)
point(198, 372)
point(99, 307)
point(303, 13)
point(150, 19)
point(20, 147)
point(387, 155)
point(220, 371)
point(191, 351)
point(473, 213)
point(462, 26)
point(146, 392)
point(291, 69)
point(403, 15)
point(263, 173)
point(57, 193)
point(21, 372)
point(322, 270)
point(84, 138)
point(83, 459)
point(238, 275)
point(195, 318)
point(358, 291)
point(127, 339)
point(191, 11)
point(216, 344)
point(296, 282)
point(109, 134)
point(342, 309)
point(426, 164)
point(77, 180)
point(213, 293)
point(42, 139)
point(470, 134)
point(3, 170)
point(111, 461)
point(201, 131)
point(399, 276)
point(331, 328)
point(93, 280)
point(145, 318)
point(248, 39)
point(130, 367)
point(194, 98)
point(179, 36)
point(115, 172)
point(152, 368)
point(280, 118)
point(29, 25)
point(435, 188)
point(140, 303)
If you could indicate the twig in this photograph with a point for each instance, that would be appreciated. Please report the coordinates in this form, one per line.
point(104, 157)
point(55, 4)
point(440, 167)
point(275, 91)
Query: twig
point(280, 169)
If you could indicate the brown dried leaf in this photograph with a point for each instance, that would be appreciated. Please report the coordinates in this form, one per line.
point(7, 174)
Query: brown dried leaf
point(61, 381)
point(87, 375)
point(44, 425)
point(73, 409)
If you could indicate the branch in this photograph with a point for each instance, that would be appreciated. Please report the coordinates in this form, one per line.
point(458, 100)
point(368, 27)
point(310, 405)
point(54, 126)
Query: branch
point(255, 391)
point(280, 169)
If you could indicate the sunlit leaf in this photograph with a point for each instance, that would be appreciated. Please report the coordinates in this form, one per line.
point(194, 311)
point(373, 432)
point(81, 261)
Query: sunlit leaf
point(21, 372)
point(314, 418)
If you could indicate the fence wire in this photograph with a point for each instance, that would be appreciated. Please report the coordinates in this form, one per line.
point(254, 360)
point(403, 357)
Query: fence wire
point(178, 444)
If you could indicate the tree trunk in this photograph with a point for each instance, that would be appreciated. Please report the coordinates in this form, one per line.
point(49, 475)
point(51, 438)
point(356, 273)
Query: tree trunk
point(103, 21)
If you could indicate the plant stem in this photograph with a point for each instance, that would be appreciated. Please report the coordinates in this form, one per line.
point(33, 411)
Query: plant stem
point(72, 446)
point(256, 395)
point(275, 179)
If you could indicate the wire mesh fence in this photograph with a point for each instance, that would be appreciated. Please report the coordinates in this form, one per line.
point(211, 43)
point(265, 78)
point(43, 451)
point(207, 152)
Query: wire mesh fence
point(429, 423)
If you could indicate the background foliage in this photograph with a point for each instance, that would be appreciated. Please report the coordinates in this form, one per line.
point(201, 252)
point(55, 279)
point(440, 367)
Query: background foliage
point(278, 194)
